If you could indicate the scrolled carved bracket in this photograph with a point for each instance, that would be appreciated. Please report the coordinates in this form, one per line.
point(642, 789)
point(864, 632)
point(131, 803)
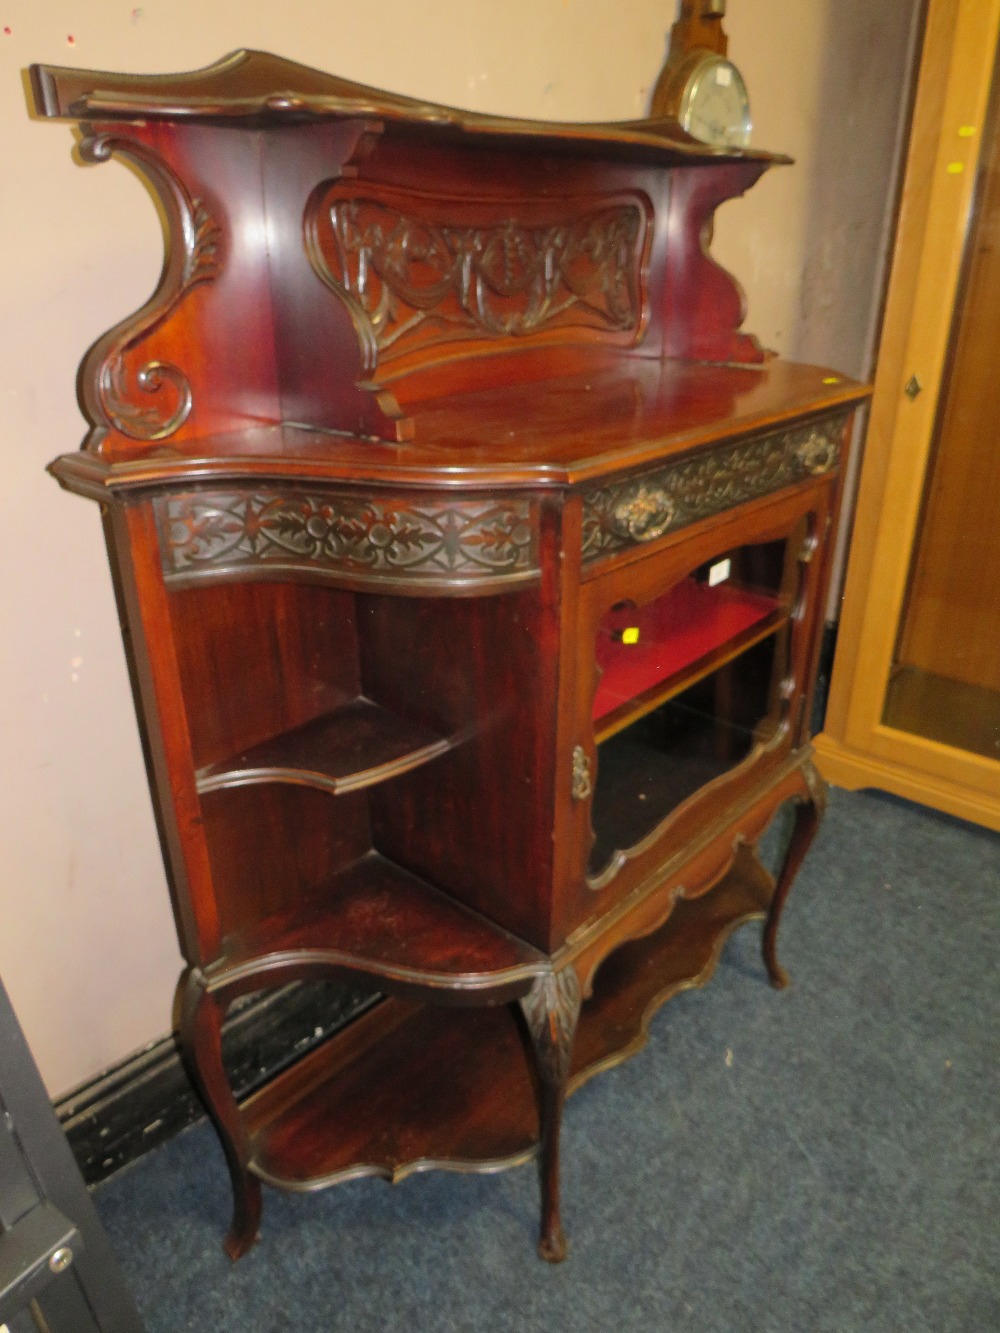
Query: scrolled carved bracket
point(152, 402)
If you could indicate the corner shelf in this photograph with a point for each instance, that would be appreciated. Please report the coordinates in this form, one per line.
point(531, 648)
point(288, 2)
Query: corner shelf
point(684, 636)
point(410, 1087)
point(378, 920)
point(352, 747)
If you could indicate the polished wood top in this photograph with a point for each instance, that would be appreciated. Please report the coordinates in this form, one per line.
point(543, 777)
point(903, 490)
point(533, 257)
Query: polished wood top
point(606, 419)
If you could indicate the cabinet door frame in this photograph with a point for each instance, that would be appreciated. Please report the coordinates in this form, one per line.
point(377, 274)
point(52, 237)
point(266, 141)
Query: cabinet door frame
point(802, 518)
point(857, 748)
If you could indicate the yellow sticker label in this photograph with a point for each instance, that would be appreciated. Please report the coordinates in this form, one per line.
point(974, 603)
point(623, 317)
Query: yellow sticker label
point(630, 635)
point(966, 131)
point(955, 168)
point(832, 379)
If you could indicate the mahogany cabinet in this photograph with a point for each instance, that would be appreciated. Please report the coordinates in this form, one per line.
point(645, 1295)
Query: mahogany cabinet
point(470, 562)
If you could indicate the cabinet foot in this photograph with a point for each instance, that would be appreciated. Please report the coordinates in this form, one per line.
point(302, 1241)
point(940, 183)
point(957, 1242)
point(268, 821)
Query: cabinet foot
point(808, 812)
point(553, 1248)
point(244, 1230)
point(551, 1009)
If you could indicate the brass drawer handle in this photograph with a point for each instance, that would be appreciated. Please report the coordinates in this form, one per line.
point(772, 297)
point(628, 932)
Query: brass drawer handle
point(817, 454)
point(643, 514)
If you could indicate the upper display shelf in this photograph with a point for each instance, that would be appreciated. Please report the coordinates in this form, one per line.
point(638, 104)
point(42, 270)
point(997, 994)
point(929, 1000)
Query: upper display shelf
point(257, 88)
point(337, 255)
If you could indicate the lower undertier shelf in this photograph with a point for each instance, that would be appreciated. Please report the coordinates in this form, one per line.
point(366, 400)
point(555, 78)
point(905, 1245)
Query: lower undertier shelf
point(410, 1087)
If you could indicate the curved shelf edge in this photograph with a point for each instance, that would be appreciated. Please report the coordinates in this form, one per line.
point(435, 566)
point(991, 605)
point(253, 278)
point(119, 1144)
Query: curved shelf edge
point(227, 778)
point(394, 1175)
point(641, 1038)
point(380, 923)
point(357, 745)
point(277, 968)
point(331, 1123)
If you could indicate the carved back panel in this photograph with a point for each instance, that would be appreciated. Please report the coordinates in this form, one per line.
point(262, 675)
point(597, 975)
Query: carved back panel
point(431, 273)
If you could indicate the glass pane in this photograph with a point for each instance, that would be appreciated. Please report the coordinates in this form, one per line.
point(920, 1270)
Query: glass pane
point(945, 683)
point(688, 687)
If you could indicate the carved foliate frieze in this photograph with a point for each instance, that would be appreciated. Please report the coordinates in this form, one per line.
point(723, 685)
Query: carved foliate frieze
point(416, 276)
point(643, 508)
point(205, 533)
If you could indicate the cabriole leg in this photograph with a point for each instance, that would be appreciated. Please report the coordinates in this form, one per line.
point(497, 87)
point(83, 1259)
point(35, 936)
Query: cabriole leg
point(551, 1009)
point(200, 1027)
point(808, 813)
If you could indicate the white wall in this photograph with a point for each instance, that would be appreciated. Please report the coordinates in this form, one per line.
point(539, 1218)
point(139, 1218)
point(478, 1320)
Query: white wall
point(87, 946)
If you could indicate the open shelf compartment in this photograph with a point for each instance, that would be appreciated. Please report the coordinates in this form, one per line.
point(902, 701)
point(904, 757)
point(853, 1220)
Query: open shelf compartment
point(411, 1087)
point(647, 655)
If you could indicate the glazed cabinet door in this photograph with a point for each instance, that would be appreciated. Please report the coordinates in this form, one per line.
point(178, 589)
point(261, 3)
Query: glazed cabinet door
point(695, 664)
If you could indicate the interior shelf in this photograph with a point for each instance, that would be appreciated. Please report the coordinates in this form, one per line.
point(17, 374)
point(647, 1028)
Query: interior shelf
point(682, 637)
point(354, 746)
point(409, 1087)
point(380, 920)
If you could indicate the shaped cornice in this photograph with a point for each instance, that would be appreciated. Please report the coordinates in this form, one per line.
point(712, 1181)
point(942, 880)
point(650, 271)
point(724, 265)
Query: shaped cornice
point(261, 89)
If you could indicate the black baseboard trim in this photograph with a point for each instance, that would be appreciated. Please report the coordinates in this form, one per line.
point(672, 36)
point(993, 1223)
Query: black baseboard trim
point(146, 1099)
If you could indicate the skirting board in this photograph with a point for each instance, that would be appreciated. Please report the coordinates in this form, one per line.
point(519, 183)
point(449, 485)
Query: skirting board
point(140, 1103)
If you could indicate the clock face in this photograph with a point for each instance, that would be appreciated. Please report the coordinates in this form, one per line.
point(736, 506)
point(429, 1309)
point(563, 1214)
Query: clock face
point(715, 107)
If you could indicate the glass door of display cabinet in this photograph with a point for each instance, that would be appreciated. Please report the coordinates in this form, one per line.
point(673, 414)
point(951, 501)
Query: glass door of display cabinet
point(915, 696)
point(691, 682)
point(945, 678)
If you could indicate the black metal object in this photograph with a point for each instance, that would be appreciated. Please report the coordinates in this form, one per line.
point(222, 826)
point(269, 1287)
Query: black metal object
point(57, 1271)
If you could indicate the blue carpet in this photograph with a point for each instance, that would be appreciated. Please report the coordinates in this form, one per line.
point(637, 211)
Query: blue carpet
point(823, 1159)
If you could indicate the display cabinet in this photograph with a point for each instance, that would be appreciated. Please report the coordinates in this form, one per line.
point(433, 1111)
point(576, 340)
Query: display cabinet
point(915, 694)
point(469, 559)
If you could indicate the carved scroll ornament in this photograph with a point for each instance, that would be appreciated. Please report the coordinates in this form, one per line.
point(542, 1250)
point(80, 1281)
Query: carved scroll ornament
point(416, 279)
point(649, 506)
point(154, 401)
point(214, 533)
